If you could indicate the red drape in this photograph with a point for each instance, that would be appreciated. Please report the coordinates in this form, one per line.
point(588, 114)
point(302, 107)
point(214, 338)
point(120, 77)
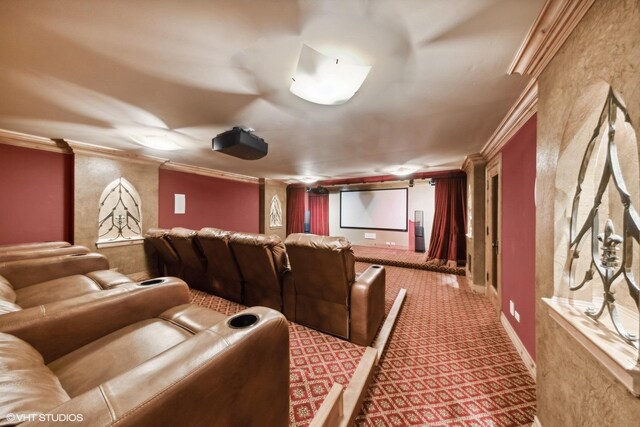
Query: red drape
point(319, 207)
point(448, 245)
point(295, 209)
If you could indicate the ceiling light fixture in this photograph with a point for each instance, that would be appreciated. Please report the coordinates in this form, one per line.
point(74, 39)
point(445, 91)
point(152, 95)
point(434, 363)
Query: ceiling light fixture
point(156, 142)
point(403, 170)
point(326, 80)
point(308, 179)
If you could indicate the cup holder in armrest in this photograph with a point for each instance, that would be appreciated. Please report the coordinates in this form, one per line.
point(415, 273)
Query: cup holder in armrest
point(376, 266)
point(151, 282)
point(242, 321)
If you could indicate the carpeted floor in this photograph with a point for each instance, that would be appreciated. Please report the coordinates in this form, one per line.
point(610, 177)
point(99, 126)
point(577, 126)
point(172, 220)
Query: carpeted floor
point(448, 362)
point(400, 258)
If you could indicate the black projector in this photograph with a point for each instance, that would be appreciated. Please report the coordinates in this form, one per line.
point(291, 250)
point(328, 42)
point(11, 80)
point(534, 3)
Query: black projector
point(240, 143)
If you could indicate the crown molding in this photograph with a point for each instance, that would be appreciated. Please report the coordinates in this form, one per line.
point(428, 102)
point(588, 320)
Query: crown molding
point(524, 108)
point(31, 141)
point(83, 148)
point(472, 159)
point(198, 170)
point(552, 27)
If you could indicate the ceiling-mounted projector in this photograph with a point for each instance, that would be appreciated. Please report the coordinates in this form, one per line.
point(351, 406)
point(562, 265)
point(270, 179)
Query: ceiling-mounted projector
point(241, 143)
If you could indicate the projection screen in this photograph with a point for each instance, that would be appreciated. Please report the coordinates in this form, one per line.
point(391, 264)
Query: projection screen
point(384, 209)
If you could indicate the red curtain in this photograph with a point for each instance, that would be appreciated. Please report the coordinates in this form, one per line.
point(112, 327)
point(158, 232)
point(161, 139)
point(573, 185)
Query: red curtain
point(295, 209)
point(448, 245)
point(319, 208)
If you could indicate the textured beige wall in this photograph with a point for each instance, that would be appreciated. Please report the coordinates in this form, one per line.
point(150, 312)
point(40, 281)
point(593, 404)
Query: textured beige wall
point(573, 389)
point(271, 188)
point(475, 241)
point(92, 175)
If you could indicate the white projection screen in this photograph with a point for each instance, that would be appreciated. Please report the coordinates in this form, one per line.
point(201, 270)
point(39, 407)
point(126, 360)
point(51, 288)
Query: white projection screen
point(384, 209)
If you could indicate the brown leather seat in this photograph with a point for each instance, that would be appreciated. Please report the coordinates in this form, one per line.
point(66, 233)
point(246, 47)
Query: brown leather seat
point(7, 249)
point(42, 252)
point(222, 269)
point(193, 263)
point(328, 296)
point(264, 267)
point(34, 282)
point(168, 260)
point(131, 360)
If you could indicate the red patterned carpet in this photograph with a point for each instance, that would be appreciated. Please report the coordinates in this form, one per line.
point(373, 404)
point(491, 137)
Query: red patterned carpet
point(448, 362)
point(400, 258)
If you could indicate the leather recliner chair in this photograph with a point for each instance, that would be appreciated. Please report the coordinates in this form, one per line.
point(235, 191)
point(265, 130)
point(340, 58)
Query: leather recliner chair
point(265, 269)
point(168, 259)
point(222, 269)
point(137, 359)
point(6, 249)
point(33, 282)
point(193, 263)
point(329, 296)
point(41, 252)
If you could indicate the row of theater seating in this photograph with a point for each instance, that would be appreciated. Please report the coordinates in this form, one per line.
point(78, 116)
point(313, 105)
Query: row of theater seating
point(311, 279)
point(81, 344)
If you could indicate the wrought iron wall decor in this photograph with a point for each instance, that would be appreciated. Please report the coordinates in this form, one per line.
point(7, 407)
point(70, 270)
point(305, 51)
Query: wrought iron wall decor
point(606, 263)
point(120, 217)
point(275, 212)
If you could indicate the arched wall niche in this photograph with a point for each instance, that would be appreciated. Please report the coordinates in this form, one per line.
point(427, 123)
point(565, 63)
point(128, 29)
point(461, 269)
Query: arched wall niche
point(598, 174)
point(120, 216)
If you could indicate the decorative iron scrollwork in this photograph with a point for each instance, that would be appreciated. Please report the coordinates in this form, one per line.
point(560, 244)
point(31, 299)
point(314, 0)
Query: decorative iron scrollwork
point(120, 217)
point(275, 212)
point(605, 246)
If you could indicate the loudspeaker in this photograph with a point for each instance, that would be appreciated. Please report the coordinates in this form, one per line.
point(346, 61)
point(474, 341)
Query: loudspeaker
point(418, 231)
point(240, 143)
point(307, 222)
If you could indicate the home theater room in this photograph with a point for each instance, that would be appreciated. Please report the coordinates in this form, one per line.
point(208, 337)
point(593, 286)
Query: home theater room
point(320, 213)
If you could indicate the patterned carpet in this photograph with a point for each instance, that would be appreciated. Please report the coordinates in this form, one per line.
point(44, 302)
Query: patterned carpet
point(400, 258)
point(448, 362)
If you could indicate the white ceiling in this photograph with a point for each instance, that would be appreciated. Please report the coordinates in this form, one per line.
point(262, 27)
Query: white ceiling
point(102, 71)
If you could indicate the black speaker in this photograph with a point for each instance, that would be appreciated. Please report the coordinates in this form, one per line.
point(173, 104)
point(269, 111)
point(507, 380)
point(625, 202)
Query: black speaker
point(240, 143)
point(418, 231)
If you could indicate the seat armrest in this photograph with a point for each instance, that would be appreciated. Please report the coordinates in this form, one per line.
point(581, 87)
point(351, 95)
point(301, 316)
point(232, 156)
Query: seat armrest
point(193, 382)
point(367, 305)
point(31, 271)
point(60, 327)
point(288, 295)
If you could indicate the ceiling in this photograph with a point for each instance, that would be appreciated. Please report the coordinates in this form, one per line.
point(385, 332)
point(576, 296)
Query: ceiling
point(106, 72)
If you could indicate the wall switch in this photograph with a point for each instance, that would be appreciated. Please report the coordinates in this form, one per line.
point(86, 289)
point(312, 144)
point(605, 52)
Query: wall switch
point(512, 307)
point(369, 235)
point(517, 316)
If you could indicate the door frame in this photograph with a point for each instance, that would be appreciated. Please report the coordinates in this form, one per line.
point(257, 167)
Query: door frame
point(494, 168)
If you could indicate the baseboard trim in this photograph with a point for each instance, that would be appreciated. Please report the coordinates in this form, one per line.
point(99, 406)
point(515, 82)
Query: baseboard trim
point(536, 422)
point(522, 351)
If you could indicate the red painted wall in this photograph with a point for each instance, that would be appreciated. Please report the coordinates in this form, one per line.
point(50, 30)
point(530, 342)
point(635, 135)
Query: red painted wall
point(518, 231)
point(210, 202)
point(36, 195)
